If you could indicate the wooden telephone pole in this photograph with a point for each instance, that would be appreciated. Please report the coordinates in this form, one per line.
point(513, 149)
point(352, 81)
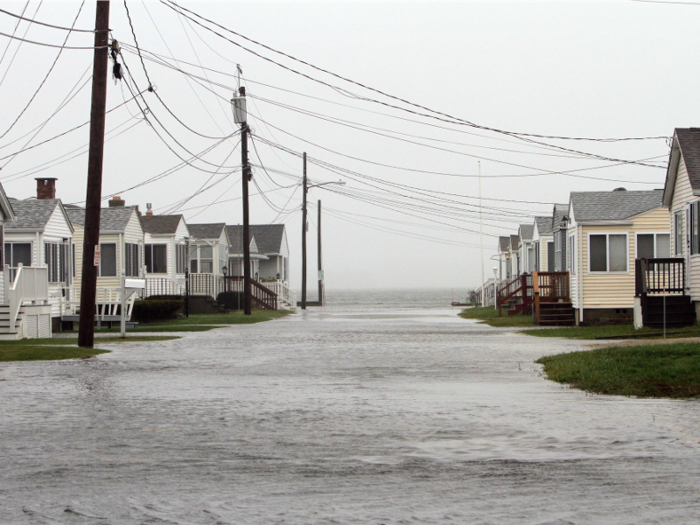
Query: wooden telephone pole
point(321, 290)
point(88, 291)
point(246, 176)
point(303, 239)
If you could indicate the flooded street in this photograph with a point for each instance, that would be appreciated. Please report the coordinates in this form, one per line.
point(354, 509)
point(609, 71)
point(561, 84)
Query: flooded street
point(338, 415)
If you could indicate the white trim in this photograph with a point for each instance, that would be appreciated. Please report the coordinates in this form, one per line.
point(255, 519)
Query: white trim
point(607, 260)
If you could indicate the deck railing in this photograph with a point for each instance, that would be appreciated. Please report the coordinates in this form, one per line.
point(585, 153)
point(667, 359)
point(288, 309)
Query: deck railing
point(262, 296)
point(206, 284)
point(660, 276)
point(25, 284)
point(520, 287)
point(163, 286)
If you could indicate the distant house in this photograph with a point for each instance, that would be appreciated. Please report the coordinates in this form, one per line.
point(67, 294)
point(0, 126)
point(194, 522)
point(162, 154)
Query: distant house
point(543, 241)
point(42, 236)
point(271, 240)
point(559, 225)
point(121, 250)
point(526, 250)
point(605, 233)
point(514, 269)
point(503, 257)
point(165, 253)
point(235, 253)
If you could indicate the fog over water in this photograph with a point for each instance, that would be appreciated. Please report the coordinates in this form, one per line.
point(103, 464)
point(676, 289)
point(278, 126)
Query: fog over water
point(393, 412)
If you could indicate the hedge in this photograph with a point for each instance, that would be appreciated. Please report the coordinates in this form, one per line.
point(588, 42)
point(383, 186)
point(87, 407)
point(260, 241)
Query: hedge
point(230, 300)
point(156, 310)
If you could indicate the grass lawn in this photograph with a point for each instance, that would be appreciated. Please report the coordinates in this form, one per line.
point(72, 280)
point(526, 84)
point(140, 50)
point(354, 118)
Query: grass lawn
point(660, 370)
point(611, 331)
point(202, 322)
point(489, 315)
point(52, 349)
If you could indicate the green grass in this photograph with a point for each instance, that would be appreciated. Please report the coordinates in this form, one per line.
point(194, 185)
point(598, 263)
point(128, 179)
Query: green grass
point(610, 331)
point(74, 340)
point(663, 370)
point(29, 352)
point(489, 315)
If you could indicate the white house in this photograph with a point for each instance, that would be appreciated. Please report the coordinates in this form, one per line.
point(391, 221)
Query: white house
point(209, 245)
point(121, 242)
point(42, 236)
point(543, 241)
point(526, 249)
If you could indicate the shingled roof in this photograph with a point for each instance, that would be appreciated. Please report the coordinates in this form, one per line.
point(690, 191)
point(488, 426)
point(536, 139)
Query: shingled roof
point(113, 219)
point(160, 224)
point(686, 144)
point(503, 243)
point(514, 242)
point(206, 231)
point(544, 225)
point(525, 231)
point(613, 205)
point(268, 237)
point(32, 214)
point(235, 235)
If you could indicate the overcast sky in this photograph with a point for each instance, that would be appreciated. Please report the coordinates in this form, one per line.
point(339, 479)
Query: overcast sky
point(409, 214)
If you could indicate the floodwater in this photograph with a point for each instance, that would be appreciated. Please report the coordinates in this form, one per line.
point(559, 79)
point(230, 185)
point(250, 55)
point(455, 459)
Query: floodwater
point(347, 414)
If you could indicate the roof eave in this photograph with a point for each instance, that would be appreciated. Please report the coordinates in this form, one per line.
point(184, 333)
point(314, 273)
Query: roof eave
point(672, 173)
point(606, 223)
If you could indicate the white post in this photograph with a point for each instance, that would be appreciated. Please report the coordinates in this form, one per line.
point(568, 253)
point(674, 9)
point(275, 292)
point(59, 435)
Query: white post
point(481, 239)
point(123, 305)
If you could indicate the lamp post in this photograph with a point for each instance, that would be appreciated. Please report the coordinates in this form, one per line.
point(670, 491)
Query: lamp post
point(306, 188)
point(495, 287)
point(224, 270)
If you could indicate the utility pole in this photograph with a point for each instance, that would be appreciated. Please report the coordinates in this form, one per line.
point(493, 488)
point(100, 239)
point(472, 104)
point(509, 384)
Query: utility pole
point(321, 291)
point(86, 335)
point(246, 177)
point(303, 240)
point(481, 239)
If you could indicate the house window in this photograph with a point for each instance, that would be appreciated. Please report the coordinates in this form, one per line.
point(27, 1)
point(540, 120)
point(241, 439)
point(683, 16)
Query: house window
point(531, 258)
point(156, 258)
point(694, 229)
point(56, 259)
point(571, 260)
point(651, 245)
point(108, 260)
point(550, 256)
point(223, 256)
point(18, 252)
point(202, 259)
point(132, 254)
point(608, 252)
point(678, 233)
point(180, 258)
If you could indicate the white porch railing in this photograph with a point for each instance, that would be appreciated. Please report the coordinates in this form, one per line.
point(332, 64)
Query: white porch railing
point(163, 286)
point(25, 284)
point(107, 304)
point(284, 293)
point(489, 288)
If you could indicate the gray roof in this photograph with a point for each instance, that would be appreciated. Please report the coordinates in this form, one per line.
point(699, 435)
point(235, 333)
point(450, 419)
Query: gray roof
point(544, 225)
point(525, 231)
point(160, 224)
point(689, 143)
point(514, 242)
point(503, 243)
point(206, 231)
point(31, 214)
point(235, 236)
point(268, 237)
point(113, 219)
point(613, 205)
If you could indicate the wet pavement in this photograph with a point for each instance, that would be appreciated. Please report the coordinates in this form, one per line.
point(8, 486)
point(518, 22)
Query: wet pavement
point(336, 416)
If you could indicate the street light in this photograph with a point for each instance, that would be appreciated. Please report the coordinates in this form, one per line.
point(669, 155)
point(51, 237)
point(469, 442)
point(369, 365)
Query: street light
point(495, 287)
point(224, 270)
point(303, 236)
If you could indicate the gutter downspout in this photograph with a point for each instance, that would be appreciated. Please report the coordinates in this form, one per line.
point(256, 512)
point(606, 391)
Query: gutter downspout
point(579, 284)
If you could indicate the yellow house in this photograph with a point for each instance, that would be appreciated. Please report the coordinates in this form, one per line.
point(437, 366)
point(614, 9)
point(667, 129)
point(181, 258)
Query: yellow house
point(605, 233)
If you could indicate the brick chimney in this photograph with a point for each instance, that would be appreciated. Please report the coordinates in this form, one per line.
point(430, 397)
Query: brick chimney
point(116, 201)
point(149, 209)
point(46, 188)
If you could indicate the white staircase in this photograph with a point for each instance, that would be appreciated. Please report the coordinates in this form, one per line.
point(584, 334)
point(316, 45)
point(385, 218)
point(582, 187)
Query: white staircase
point(8, 332)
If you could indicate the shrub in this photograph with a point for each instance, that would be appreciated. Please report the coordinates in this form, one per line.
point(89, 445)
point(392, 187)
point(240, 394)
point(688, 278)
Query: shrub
point(164, 298)
point(230, 300)
point(156, 310)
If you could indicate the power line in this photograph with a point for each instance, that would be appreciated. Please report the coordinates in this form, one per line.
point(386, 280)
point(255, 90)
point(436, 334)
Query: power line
point(31, 20)
point(46, 44)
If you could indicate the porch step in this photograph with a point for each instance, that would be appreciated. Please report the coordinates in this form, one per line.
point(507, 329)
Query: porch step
point(556, 314)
